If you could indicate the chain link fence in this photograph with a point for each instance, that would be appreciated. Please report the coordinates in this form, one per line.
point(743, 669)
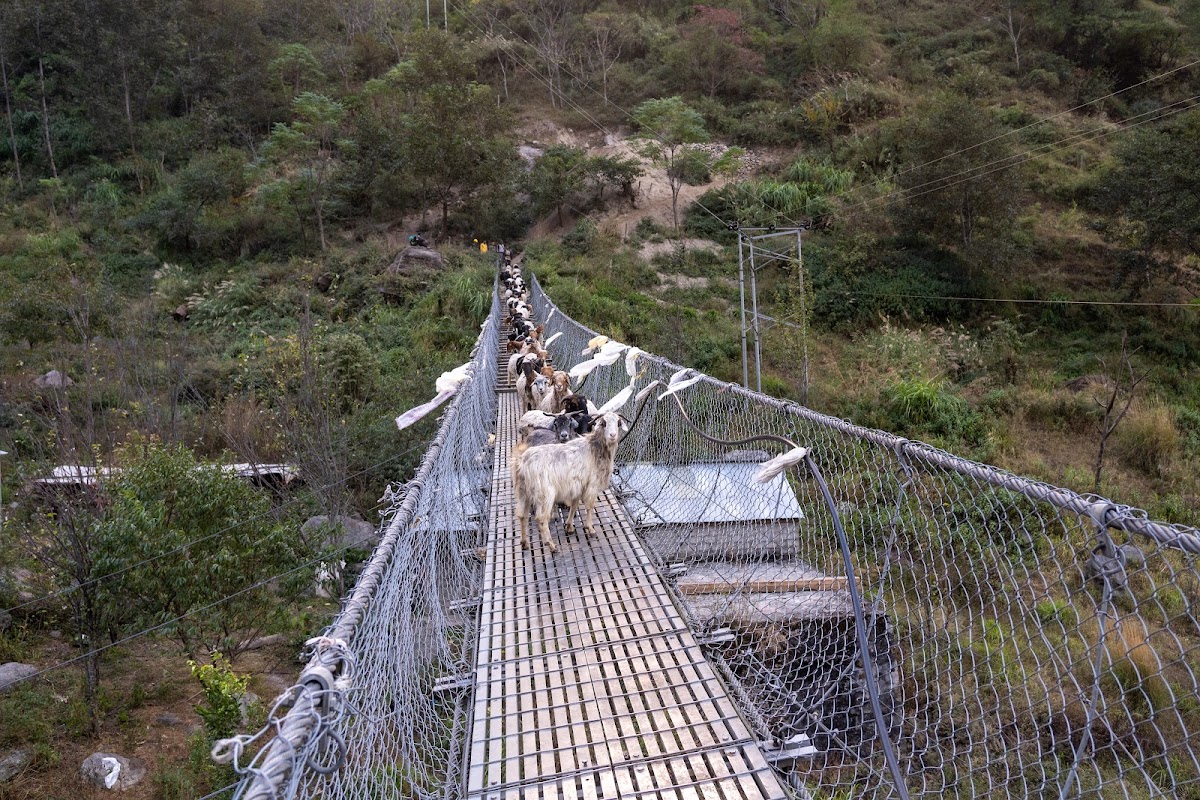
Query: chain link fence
point(1023, 640)
point(378, 711)
point(1027, 641)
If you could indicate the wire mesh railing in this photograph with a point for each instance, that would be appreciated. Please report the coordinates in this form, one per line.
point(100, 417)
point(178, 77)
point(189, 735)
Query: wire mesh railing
point(1023, 640)
point(378, 710)
point(1026, 640)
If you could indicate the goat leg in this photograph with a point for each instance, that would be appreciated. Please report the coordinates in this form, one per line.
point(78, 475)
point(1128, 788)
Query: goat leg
point(569, 525)
point(523, 521)
point(589, 524)
point(543, 519)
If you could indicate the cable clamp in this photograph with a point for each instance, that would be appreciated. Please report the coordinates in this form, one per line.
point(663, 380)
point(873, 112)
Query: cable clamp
point(715, 637)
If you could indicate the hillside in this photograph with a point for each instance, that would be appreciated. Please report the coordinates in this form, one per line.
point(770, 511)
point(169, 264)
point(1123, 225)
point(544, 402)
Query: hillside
point(201, 204)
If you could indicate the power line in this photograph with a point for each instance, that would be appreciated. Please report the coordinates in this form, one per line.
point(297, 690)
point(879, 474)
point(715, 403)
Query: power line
point(1016, 159)
point(188, 545)
point(630, 116)
point(1038, 122)
point(1068, 302)
point(562, 95)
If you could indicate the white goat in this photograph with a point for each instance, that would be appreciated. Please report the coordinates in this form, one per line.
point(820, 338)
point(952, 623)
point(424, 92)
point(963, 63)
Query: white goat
point(552, 400)
point(574, 474)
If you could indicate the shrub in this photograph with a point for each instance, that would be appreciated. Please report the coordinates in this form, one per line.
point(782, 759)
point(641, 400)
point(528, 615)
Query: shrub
point(581, 238)
point(922, 407)
point(223, 691)
point(1148, 438)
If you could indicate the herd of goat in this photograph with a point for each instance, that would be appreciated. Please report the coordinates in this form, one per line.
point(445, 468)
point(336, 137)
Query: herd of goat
point(565, 447)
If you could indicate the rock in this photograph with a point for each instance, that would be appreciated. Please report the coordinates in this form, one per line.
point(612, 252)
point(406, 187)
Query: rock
point(416, 259)
point(348, 531)
point(181, 312)
point(53, 380)
point(324, 281)
point(12, 762)
point(19, 581)
point(111, 771)
point(246, 703)
point(5, 621)
point(530, 154)
point(14, 671)
point(1133, 556)
point(55, 634)
point(168, 720)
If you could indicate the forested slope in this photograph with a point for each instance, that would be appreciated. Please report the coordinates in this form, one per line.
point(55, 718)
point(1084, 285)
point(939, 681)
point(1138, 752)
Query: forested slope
point(201, 202)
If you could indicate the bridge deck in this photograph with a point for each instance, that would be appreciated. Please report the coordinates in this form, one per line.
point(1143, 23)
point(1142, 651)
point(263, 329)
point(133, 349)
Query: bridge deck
point(588, 683)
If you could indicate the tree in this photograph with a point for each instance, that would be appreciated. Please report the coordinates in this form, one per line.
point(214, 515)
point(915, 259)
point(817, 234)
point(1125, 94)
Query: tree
point(1152, 187)
point(212, 538)
point(457, 140)
point(296, 66)
point(305, 153)
point(1116, 403)
point(712, 51)
point(959, 175)
point(614, 171)
point(667, 127)
point(558, 174)
point(551, 24)
point(8, 116)
point(608, 34)
point(799, 13)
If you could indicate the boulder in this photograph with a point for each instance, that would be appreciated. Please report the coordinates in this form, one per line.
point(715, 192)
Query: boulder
point(111, 771)
point(246, 704)
point(14, 671)
point(324, 281)
point(181, 312)
point(53, 380)
point(168, 720)
point(416, 259)
point(13, 762)
point(349, 531)
point(20, 582)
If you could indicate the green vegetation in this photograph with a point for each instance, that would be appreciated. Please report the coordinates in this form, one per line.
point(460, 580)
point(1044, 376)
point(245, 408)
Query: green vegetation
point(201, 204)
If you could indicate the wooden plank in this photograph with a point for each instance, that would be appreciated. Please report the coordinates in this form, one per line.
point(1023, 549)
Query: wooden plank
point(830, 583)
point(588, 682)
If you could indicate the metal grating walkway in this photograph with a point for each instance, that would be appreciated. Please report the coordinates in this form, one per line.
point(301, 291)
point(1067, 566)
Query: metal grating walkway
point(588, 683)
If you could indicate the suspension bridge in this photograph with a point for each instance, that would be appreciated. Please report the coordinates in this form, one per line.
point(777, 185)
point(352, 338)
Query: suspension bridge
point(889, 621)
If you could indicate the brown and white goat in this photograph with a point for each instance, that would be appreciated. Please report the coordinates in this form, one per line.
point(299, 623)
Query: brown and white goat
point(560, 388)
point(574, 474)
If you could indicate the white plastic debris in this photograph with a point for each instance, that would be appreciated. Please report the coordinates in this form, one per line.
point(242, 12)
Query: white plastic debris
point(631, 360)
point(447, 384)
point(618, 400)
point(679, 382)
point(450, 381)
point(114, 771)
point(769, 469)
point(583, 369)
point(645, 392)
point(609, 353)
point(595, 343)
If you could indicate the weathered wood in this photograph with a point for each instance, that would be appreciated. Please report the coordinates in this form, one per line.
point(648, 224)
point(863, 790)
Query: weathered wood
point(830, 583)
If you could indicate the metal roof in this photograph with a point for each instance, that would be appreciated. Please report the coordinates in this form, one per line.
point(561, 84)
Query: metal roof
point(660, 494)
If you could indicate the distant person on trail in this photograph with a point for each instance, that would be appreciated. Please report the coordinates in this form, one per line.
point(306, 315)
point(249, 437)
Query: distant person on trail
point(416, 240)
